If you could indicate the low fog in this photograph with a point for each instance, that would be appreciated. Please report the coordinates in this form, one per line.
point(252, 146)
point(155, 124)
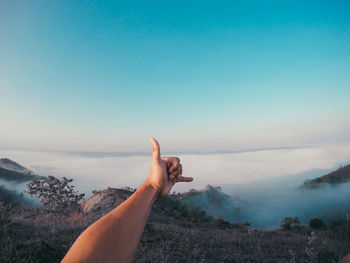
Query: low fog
point(264, 184)
point(267, 203)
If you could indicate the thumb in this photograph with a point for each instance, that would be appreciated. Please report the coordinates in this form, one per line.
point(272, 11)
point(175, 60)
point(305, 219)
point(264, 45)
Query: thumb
point(156, 150)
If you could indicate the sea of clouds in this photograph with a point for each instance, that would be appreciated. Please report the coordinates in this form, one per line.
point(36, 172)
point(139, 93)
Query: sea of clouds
point(263, 183)
point(230, 170)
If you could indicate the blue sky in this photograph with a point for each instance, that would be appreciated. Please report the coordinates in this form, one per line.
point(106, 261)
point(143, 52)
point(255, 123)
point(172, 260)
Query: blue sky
point(198, 75)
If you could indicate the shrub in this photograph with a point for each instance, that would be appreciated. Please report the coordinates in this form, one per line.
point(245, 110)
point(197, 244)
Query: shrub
point(286, 224)
point(317, 223)
point(295, 222)
point(289, 223)
point(222, 223)
point(57, 196)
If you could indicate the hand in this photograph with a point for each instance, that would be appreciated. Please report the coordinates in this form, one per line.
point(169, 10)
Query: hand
point(165, 171)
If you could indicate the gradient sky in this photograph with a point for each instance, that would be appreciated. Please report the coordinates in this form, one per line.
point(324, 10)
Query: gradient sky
point(197, 75)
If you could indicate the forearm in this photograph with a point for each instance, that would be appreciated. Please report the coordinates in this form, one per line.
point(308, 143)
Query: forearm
point(115, 236)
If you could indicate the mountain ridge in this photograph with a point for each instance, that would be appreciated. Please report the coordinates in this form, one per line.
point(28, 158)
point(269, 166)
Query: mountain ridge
point(8, 164)
point(12, 171)
point(341, 175)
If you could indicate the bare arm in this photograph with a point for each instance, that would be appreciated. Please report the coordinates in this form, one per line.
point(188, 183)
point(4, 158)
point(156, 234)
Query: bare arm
point(346, 259)
point(115, 236)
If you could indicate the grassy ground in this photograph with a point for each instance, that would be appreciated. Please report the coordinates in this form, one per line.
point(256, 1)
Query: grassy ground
point(174, 233)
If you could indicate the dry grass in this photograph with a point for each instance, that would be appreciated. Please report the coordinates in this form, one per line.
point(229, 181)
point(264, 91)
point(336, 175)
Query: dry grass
point(173, 234)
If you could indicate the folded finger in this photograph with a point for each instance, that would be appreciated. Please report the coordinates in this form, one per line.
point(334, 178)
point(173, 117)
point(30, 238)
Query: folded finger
point(168, 164)
point(179, 169)
point(173, 175)
point(174, 164)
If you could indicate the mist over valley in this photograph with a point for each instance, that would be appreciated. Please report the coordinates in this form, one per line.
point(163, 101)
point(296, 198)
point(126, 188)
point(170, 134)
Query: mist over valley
point(262, 187)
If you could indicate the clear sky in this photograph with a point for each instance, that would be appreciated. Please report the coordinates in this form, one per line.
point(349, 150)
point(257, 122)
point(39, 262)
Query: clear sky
point(197, 75)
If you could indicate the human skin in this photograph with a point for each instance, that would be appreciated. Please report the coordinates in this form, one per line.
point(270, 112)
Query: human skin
point(115, 236)
point(346, 259)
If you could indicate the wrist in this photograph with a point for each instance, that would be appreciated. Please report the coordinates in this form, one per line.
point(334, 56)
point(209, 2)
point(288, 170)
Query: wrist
point(154, 188)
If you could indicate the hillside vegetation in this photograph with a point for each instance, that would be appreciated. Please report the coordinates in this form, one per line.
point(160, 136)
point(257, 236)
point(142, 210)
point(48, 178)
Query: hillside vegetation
point(174, 233)
point(184, 227)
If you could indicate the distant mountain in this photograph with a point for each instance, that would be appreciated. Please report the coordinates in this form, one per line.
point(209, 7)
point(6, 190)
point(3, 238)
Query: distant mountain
point(12, 176)
point(339, 176)
point(12, 171)
point(13, 166)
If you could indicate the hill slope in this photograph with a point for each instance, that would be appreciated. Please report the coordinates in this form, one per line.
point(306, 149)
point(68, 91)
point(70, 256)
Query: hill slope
point(17, 177)
point(12, 197)
point(339, 176)
point(13, 166)
point(174, 233)
point(14, 172)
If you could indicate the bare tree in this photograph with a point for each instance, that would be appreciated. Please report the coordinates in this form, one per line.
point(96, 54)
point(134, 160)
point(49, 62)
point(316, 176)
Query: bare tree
point(57, 196)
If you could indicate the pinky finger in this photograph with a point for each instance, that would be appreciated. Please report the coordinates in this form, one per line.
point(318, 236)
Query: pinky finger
point(184, 179)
